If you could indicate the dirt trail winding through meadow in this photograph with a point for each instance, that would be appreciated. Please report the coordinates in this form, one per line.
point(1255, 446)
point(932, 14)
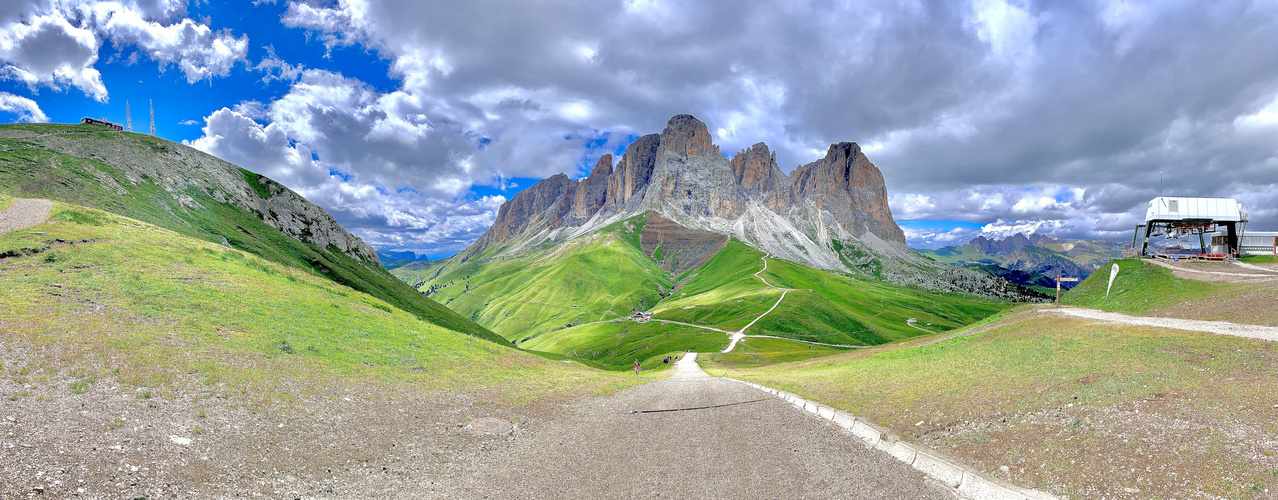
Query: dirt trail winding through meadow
point(736, 336)
point(1269, 333)
point(24, 213)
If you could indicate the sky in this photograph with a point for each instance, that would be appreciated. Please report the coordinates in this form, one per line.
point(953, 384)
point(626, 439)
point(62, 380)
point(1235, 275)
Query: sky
point(413, 121)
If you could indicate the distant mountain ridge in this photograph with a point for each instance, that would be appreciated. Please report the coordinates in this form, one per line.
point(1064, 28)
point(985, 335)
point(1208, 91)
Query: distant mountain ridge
point(1037, 254)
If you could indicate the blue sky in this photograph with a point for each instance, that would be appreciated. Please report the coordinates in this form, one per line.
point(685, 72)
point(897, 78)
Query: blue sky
point(412, 122)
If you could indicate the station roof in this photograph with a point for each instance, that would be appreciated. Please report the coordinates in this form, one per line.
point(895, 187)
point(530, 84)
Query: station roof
point(1175, 208)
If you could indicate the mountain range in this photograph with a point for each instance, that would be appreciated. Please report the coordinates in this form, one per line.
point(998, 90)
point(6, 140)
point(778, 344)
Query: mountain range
point(830, 214)
point(1031, 260)
point(675, 246)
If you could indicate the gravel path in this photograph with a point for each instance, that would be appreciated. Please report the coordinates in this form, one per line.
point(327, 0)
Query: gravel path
point(1254, 267)
point(755, 446)
point(734, 337)
point(23, 213)
point(1218, 327)
point(1204, 272)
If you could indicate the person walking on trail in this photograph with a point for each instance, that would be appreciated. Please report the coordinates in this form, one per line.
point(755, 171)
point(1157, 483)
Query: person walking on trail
point(636, 367)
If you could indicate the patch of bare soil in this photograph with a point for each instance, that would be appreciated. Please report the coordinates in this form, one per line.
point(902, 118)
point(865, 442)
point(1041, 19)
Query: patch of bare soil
point(1255, 305)
point(24, 213)
point(1153, 448)
point(681, 248)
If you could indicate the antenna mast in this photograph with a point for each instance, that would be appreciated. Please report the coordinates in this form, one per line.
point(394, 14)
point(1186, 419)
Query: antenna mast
point(152, 103)
point(128, 116)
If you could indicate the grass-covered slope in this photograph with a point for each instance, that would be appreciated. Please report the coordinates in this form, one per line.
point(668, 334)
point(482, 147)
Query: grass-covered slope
point(1141, 288)
point(1083, 409)
point(866, 312)
point(91, 296)
point(724, 294)
point(598, 277)
point(1146, 289)
point(90, 166)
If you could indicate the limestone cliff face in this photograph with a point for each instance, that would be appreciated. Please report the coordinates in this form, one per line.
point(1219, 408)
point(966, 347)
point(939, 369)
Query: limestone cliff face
point(307, 222)
point(691, 176)
point(543, 205)
point(683, 176)
point(592, 192)
point(760, 178)
point(851, 188)
point(633, 171)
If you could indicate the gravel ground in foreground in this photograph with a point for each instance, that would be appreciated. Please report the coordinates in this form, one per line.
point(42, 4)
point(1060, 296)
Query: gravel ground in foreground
point(599, 448)
point(101, 440)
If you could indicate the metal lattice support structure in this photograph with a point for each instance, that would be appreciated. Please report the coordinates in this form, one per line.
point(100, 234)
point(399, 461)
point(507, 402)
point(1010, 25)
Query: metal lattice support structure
point(152, 103)
point(128, 116)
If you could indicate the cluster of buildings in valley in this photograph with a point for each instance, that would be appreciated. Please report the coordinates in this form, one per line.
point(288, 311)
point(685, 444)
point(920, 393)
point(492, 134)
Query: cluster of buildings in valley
point(1220, 225)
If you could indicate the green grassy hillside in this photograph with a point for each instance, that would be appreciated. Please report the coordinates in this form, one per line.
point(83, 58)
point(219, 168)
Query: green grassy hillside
point(92, 296)
point(867, 311)
point(599, 277)
point(86, 165)
point(1141, 288)
point(722, 294)
point(1063, 404)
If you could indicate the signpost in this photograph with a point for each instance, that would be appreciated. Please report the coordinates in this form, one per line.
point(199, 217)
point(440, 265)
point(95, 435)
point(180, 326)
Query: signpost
point(1059, 279)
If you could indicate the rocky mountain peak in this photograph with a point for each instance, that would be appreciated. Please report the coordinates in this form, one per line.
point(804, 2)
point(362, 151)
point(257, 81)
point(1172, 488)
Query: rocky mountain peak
point(754, 166)
point(683, 176)
point(1009, 244)
point(846, 184)
point(633, 171)
point(687, 136)
point(592, 192)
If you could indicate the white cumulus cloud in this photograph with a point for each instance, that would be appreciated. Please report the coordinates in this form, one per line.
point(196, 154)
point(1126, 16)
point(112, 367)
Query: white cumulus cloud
point(26, 109)
point(55, 44)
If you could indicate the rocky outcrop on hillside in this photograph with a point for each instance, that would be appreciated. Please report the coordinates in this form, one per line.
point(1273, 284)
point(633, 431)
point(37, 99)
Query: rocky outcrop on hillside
point(683, 176)
point(307, 222)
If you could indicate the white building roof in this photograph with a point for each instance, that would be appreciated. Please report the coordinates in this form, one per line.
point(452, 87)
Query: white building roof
point(1174, 208)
